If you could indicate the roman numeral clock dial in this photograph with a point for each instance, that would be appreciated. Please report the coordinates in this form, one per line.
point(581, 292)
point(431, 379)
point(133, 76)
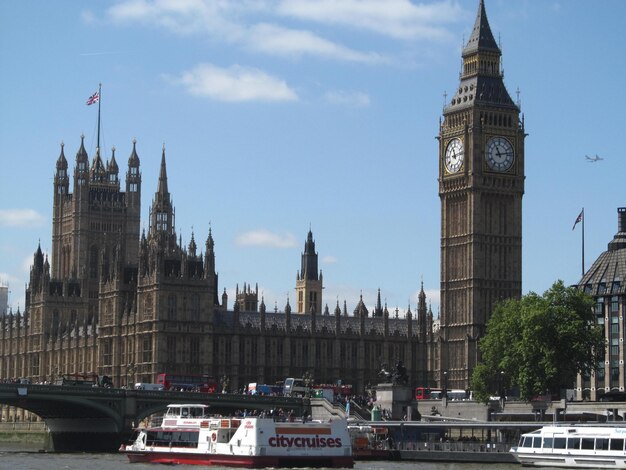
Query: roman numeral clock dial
point(454, 156)
point(499, 154)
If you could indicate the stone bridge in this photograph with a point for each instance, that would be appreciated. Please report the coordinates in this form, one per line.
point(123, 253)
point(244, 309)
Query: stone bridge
point(100, 419)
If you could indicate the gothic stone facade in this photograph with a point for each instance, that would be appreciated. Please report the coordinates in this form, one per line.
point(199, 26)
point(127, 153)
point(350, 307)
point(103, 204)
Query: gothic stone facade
point(481, 184)
point(132, 306)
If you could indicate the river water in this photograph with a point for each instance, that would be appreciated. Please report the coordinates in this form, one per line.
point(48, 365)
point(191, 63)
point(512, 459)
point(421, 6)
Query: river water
point(27, 457)
point(39, 461)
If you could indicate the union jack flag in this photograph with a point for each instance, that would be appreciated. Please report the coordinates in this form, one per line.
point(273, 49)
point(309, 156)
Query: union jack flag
point(93, 98)
point(579, 218)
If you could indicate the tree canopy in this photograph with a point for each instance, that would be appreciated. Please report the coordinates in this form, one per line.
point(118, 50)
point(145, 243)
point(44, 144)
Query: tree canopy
point(538, 343)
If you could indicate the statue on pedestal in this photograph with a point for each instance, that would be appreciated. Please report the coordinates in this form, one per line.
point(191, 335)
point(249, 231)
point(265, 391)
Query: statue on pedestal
point(397, 377)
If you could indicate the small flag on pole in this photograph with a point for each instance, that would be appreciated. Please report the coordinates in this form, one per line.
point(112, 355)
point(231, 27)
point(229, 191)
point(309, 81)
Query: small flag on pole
point(579, 218)
point(93, 98)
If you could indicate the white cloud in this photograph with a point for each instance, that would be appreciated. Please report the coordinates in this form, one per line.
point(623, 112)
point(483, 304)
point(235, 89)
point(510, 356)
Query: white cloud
point(266, 238)
point(88, 17)
point(276, 40)
point(235, 83)
point(355, 99)
point(399, 19)
point(236, 23)
point(7, 279)
point(329, 259)
point(21, 218)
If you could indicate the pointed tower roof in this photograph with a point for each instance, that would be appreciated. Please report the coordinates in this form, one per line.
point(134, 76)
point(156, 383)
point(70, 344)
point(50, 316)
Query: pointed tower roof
point(361, 309)
point(162, 187)
point(422, 295)
point(378, 310)
point(481, 37)
point(133, 160)
point(62, 162)
point(209, 242)
point(98, 172)
point(192, 246)
point(308, 265)
point(482, 81)
point(38, 258)
point(112, 167)
point(81, 155)
point(608, 272)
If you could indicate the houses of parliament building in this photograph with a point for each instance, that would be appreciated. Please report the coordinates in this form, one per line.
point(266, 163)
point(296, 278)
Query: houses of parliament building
point(131, 305)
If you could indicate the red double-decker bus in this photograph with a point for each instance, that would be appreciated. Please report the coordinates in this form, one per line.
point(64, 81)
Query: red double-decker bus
point(426, 393)
point(187, 382)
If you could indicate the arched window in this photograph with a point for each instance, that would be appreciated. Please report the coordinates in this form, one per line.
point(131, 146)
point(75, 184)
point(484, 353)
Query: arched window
point(195, 307)
point(93, 262)
point(55, 323)
point(171, 307)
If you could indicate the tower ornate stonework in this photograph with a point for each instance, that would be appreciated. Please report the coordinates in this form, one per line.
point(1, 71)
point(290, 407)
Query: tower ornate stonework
point(481, 184)
point(308, 281)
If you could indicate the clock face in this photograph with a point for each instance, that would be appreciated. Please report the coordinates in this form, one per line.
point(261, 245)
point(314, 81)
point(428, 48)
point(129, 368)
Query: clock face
point(454, 155)
point(499, 154)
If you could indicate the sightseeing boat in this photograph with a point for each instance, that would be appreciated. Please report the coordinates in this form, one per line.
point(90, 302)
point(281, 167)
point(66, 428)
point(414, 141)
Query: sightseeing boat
point(188, 435)
point(574, 446)
point(371, 442)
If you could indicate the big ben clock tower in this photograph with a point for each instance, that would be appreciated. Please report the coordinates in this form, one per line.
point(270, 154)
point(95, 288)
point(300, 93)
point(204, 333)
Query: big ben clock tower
point(481, 184)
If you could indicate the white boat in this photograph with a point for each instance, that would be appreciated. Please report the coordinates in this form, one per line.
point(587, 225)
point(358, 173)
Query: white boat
point(188, 435)
point(573, 446)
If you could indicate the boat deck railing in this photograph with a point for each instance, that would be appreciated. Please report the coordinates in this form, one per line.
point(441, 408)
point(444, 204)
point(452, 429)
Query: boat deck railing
point(454, 446)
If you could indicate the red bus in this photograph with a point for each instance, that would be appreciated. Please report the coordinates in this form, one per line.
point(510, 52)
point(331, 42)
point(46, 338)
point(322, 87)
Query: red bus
point(187, 382)
point(426, 393)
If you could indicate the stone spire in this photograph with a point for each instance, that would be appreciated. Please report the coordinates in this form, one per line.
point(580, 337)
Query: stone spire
point(481, 38)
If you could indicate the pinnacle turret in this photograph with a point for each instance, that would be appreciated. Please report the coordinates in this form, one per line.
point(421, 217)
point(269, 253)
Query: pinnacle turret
point(133, 160)
point(162, 187)
point(62, 162)
point(98, 172)
point(81, 155)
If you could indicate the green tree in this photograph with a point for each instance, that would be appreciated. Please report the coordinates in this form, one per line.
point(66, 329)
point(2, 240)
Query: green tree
point(538, 343)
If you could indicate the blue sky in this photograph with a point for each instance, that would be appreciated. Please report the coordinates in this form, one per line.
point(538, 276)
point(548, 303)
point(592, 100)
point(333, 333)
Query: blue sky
point(278, 116)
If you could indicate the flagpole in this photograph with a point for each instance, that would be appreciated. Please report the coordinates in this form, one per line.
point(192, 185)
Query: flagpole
point(583, 275)
point(99, 101)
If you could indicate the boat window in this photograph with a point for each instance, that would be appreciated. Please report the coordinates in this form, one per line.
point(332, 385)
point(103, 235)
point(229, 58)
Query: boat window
point(547, 443)
point(536, 442)
point(617, 444)
point(185, 439)
point(559, 443)
point(573, 442)
point(586, 443)
point(526, 442)
point(602, 443)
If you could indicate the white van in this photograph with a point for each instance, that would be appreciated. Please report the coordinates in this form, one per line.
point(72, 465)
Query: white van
point(151, 387)
point(295, 387)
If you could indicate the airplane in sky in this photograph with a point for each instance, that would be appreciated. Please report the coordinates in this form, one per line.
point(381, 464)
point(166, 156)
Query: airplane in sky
point(593, 159)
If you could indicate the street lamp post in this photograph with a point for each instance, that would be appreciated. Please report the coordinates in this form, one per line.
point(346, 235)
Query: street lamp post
point(502, 391)
point(445, 385)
